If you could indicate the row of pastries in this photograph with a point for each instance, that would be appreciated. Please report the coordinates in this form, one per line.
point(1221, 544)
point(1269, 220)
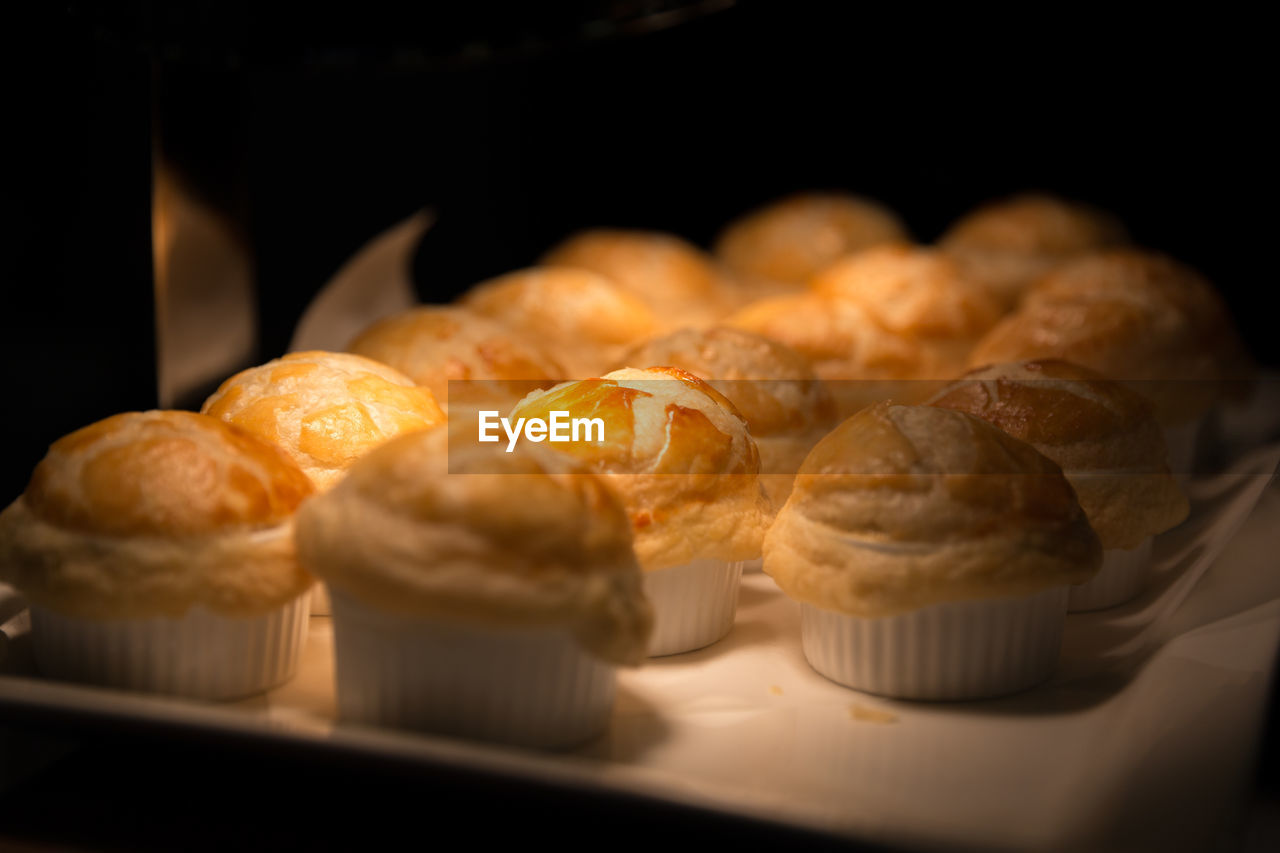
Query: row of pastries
point(934, 450)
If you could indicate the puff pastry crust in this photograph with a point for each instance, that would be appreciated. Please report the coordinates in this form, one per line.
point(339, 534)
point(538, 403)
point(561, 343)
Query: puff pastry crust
point(676, 279)
point(589, 317)
point(786, 406)
point(1008, 244)
point(918, 293)
point(789, 241)
point(1103, 435)
point(459, 533)
point(1131, 315)
point(433, 344)
point(149, 513)
point(679, 455)
point(326, 409)
point(902, 507)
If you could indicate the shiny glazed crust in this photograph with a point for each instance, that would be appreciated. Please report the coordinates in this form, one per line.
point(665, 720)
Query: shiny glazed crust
point(790, 240)
point(464, 534)
point(902, 507)
point(676, 279)
point(587, 317)
point(1007, 245)
point(433, 344)
point(916, 292)
point(787, 408)
point(148, 513)
point(326, 409)
point(679, 455)
point(1129, 315)
point(1103, 435)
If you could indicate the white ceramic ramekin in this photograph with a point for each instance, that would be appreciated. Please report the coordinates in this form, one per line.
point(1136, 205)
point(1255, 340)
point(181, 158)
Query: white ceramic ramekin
point(320, 600)
point(532, 687)
point(957, 650)
point(693, 604)
point(1122, 576)
point(202, 655)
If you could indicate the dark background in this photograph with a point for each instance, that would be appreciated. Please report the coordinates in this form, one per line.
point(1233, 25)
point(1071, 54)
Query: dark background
point(311, 134)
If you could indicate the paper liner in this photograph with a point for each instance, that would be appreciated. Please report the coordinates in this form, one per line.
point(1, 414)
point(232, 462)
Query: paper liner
point(957, 650)
point(693, 604)
point(753, 566)
point(202, 655)
point(529, 687)
point(1122, 576)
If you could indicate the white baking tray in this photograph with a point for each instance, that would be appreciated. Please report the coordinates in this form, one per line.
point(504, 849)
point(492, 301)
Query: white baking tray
point(1145, 739)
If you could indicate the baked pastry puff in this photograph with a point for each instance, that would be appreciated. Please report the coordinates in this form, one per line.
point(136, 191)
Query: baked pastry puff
point(860, 360)
point(679, 454)
point(589, 318)
point(787, 408)
point(902, 507)
point(1109, 445)
point(458, 534)
point(680, 457)
point(784, 244)
point(1103, 435)
point(477, 594)
point(1130, 315)
point(884, 323)
point(932, 555)
point(918, 293)
point(325, 409)
point(150, 513)
point(1007, 245)
point(491, 364)
point(677, 280)
point(156, 551)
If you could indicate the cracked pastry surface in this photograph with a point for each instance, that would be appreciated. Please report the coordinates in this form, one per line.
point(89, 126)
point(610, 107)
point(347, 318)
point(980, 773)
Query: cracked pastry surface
point(1134, 316)
point(1008, 244)
point(790, 240)
point(677, 280)
point(149, 513)
point(589, 318)
point(902, 507)
point(423, 528)
point(679, 455)
point(786, 407)
point(1103, 435)
point(326, 409)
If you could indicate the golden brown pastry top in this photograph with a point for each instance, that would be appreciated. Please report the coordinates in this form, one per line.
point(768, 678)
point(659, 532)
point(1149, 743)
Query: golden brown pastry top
point(790, 240)
point(433, 344)
point(148, 513)
point(423, 528)
point(1103, 435)
point(772, 386)
point(861, 361)
point(902, 507)
point(838, 337)
point(325, 409)
point(676, 279)
point(583, 315)
point(1130, 315)
point(914, 291)
point(1008, 244)
point(677, 452)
